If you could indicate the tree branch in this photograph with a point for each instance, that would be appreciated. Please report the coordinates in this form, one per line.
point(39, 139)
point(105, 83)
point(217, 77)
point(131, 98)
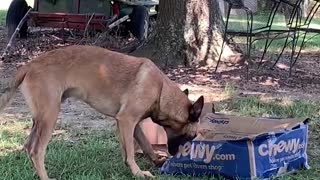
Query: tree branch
point(15, 33)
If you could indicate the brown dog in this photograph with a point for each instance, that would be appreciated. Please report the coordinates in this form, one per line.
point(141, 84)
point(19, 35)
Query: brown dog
point(127, 88)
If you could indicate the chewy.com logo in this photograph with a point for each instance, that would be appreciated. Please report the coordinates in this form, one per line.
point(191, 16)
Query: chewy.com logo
point(288, 146)
point(204, 152)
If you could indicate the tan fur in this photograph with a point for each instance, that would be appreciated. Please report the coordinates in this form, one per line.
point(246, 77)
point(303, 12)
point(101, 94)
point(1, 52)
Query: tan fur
point(125, 87)
point(12, 87)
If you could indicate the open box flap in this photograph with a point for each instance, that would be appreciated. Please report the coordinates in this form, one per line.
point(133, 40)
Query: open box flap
point(221, 127)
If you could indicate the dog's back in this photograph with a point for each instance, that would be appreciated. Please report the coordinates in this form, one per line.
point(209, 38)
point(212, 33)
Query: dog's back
point(100, 77)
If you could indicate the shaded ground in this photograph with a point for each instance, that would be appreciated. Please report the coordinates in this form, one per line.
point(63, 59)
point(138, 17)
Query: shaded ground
point(304, 84)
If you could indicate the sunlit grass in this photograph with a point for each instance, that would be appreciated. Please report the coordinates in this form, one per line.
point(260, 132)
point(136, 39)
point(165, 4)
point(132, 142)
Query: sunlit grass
point(91, 155)
point(3, 14)
point(239, 23)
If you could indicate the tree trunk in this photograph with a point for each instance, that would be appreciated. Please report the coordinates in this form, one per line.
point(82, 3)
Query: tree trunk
point(189, 32)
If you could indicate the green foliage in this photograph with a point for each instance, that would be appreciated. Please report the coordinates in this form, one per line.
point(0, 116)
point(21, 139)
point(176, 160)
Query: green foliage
point(3, 14)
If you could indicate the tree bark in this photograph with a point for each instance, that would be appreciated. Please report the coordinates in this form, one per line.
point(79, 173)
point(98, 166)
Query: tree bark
point(189, 32)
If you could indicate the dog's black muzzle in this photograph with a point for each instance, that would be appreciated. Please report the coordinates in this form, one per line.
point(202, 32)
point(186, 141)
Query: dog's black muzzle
point(175, 142)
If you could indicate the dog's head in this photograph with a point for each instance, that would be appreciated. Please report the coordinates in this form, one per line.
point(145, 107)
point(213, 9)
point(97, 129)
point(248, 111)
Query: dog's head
point(182, 132)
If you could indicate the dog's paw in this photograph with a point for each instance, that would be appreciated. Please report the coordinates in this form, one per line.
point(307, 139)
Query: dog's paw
point(160, 161)
point(145, 174)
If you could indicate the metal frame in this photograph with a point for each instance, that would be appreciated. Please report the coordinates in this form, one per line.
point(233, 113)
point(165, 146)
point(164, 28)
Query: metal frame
point(298, 28)
point(250, 33)
point(234, 4)
point(306, 29)
point(292, 29)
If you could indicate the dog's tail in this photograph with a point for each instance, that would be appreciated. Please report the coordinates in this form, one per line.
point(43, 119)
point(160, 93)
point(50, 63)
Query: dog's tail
point(11, 89)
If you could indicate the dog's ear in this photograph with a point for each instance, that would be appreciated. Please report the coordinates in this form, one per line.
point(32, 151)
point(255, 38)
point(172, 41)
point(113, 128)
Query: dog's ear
point(186, 92)
point(196, 110)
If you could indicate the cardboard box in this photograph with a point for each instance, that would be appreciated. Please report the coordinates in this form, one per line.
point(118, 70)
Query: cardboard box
point(243, 148)
point(156, 135)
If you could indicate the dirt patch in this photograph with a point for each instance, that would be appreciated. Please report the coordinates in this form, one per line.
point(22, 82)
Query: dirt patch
point(264, 81)
point(74, 114)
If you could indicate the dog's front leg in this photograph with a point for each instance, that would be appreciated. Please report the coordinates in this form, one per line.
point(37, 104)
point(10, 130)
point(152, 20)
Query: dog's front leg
point(146, 146)
point(126, 127)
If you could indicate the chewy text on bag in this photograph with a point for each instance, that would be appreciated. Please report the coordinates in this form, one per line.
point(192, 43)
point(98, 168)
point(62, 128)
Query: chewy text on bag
point(272, 149)
point(205, 152)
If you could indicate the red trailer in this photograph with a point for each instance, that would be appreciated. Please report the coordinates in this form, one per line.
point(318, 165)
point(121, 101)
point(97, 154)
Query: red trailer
point(72, 14)
point(86, 14)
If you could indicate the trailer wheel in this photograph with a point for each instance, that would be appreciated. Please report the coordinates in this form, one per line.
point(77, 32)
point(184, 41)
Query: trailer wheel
point(16, 11)
point(139, 22)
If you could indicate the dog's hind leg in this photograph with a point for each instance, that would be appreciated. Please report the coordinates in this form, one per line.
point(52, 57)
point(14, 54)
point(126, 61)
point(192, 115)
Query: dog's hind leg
point(37, 142)
point(45, 110)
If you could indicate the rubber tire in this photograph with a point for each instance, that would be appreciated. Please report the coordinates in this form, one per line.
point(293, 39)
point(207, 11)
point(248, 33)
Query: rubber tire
point(139, 23)
point(16, 11)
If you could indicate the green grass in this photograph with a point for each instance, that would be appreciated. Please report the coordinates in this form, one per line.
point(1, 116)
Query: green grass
point(282, 108)
point(229, 89)
point(260, 20)
point(3, 14)
point(97, 156)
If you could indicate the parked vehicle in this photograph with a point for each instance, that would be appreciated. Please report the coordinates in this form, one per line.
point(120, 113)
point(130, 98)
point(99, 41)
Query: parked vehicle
point(82, 14)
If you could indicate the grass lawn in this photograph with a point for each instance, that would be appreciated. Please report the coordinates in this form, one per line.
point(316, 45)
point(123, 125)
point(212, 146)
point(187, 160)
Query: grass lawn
point(97, 156)
point(239, 23)
point(3, 17)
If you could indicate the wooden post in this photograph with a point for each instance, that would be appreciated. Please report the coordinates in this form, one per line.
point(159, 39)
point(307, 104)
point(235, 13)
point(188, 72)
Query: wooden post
point(36, 5)
point(76, 5)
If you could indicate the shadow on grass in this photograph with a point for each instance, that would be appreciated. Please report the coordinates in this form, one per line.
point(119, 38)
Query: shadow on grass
point(257, 106)
point(86, 155)
point(90, 157)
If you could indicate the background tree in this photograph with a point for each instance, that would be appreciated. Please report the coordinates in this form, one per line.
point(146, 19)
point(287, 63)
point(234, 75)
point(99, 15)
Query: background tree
point(188, 32)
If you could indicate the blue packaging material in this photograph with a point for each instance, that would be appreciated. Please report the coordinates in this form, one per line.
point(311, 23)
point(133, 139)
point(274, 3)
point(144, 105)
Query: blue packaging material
point(242, 148)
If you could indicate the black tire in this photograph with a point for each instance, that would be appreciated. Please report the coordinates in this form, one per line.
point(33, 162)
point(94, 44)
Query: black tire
point(16, 11)
point(139, 22)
